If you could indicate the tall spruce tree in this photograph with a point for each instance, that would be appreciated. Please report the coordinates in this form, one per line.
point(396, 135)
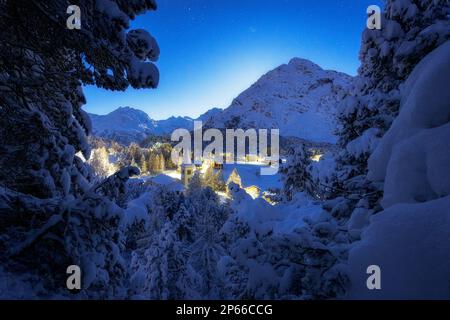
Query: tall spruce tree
point(51, 214)
point(43, 65)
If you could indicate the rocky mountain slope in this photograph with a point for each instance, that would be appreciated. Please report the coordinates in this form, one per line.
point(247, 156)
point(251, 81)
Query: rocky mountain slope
point(299, 98)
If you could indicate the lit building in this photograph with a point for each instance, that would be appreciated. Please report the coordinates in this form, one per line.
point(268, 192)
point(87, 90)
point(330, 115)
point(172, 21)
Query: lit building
point(187, 172)
point(316, 157)
point(253, 191)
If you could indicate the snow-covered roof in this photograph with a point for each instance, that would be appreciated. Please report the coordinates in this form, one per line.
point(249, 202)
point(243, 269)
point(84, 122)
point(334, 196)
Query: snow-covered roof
point(165, 180)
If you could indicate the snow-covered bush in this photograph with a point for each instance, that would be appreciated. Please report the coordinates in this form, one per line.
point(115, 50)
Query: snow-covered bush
point(42, 237)
point(289, 251)
point(177, 250)
point(296, 176)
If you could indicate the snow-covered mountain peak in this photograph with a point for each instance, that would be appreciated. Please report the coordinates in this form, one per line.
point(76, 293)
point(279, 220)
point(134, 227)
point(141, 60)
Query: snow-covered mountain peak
point(125, 119)
point(299, 98)
point(303, 63)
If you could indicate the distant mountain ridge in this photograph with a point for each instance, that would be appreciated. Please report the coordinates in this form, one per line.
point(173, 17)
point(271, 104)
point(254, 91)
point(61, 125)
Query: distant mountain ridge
point(126, 125)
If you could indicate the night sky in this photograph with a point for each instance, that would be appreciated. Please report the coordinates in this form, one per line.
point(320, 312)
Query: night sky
point(212, 50)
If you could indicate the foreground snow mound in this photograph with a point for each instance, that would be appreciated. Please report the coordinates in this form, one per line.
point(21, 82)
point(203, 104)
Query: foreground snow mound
point(413, 157)
point(282, 219)
point(410, 239)
point(410, 243)
point(289, 251)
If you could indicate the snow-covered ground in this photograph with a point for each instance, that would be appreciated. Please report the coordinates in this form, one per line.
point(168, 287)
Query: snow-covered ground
point(250, 176)
point(281, 219)
point(249, 173)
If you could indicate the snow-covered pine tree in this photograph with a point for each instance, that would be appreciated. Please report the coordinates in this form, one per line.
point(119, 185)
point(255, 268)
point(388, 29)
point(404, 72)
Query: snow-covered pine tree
point(264, 263)
point(156, 163)
point(166, 263)
point(134, 152)
point(206, 249)
point(296, 176)
point(144, 166)
point(176, 257)
point(42, 237)
point(51, 216)
point(114, 187)
point(413, 163)
point(410, 30)
point(99, 162)
point(213, 179)
point(219, 181)
point(208, 177)
point(162, 164)
point(233, 179)
point(41, 104)
point(195, 184)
